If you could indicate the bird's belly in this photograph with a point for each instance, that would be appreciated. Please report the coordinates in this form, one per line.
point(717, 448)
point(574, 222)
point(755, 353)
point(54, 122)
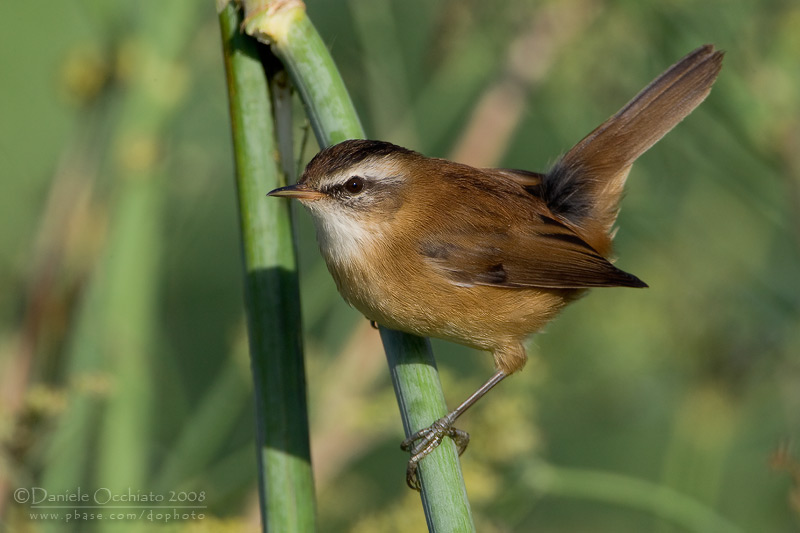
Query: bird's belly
point(426, 304)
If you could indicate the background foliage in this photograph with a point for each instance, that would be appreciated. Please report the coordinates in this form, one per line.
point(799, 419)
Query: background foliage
point(122, 344)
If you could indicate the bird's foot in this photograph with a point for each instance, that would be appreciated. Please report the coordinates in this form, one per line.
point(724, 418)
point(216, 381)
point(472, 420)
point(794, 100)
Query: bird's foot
point(426, 440)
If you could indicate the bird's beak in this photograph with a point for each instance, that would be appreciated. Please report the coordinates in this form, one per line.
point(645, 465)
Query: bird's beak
point(297, 191)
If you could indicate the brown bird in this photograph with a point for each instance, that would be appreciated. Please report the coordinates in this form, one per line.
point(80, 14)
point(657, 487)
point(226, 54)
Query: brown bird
point(484, 257)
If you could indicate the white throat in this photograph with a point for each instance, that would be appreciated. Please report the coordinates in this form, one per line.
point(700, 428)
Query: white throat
point(344, 239)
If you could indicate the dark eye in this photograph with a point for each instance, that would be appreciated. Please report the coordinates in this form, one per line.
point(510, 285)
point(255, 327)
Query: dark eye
point(354, 185)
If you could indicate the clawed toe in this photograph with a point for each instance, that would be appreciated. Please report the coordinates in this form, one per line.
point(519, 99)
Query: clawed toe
point(426, 440)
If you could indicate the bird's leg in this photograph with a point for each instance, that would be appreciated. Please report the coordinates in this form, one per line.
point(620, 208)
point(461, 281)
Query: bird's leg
point(426, 440)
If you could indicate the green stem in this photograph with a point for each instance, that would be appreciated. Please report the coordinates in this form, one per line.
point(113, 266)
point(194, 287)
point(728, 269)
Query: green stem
point(296, 42)
point(421, 400)
point(271, 292)
point(635, 493)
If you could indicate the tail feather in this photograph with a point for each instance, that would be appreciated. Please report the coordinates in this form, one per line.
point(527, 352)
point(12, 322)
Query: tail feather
point(585, 185)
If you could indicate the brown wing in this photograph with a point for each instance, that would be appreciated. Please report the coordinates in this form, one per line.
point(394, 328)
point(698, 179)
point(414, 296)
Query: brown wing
point(518, 251)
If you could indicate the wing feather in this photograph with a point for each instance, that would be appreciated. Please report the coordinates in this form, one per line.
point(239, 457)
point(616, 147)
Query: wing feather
point(521, 245)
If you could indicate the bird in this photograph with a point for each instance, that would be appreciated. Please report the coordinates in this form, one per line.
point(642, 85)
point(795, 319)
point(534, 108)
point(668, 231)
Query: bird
point(484, 257)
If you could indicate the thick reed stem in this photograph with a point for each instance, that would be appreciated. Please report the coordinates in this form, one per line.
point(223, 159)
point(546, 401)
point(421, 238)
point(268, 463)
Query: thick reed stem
point(271, 292)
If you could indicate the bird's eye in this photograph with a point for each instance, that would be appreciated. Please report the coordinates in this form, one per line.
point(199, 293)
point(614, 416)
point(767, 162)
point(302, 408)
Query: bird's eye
point(354, 185)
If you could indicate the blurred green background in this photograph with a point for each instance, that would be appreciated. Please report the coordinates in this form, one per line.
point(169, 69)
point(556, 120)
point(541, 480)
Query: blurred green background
point(123, 352)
